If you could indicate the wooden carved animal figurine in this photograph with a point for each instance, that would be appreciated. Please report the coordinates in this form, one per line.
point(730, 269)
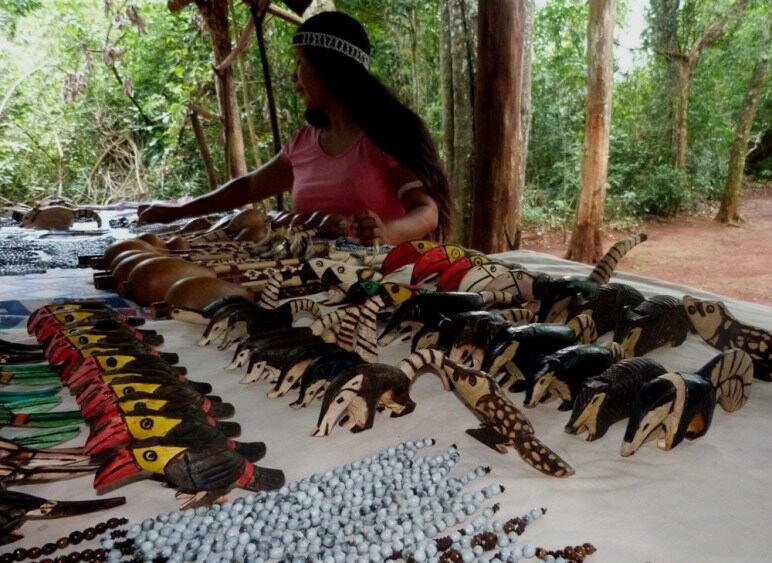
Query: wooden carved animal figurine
point(396, 293)
point(524, 346)
point(207, 470)
point(447, 331)
point(437, 260)
point(525, 286)
point(503, 425)
point(609, 397)
point(16, 507)
point(556, 294)
point(561, 374)
point(668, 409)
point(731, 375)
point(427, 307)
point(255, 320)
point(716, 325)
point(295, 363)
point(358, 391)
point(605, 305)
point(477, 278)
point(404, 254)
point(451, 277)
point(57, 217)
point(320, 372)
point(658, 321)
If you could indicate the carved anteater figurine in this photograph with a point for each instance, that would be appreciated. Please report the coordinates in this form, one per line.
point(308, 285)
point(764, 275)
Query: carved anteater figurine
point(266, 362)
point(57, 217)
point(670, 408)
point(253, 321)
point(244, 348)
point(295, 363)
point(503, 425)
point(320, 372)
point(658, 321)
point(358, 391)
point(557, 294)
point(715, 324)
point(427, 307)
point(609, 397)
point(524, 346)
point(605, 305)
point(561, 375)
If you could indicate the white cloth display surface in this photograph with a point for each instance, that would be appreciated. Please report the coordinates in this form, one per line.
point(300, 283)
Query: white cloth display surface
point(706, 500)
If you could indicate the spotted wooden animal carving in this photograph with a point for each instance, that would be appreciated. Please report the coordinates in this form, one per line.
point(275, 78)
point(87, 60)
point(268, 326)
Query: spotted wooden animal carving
point(716, 325)
point(658, 321)
point(503, 425)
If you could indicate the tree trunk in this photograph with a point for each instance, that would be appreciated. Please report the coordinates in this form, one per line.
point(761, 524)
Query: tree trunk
point(586, 242)
point(215, 13)
point(413, 30)
point(203, 148)
point(683, 83)
point(498, 124)
point(525, 110)
point(728, 212)
point(244, 70)
point(446, 85)
point(462, 143)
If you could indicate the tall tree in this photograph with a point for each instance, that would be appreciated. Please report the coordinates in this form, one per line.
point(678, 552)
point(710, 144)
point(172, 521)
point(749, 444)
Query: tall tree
point(684, 57)
point(728, 212)
point(215, 14)
point(586, 242)
point(499, 155)
point(457, 63)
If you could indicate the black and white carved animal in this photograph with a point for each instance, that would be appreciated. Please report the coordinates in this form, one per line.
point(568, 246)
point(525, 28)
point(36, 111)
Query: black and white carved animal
point(57, 217)
point(716, 325)
point(605, 305)
point(670, 408)
point(658, 321)
point(609, 397)
point(503, 425)
point(320, 372)
point(557, 294)
point(561, 375)
point(357, 392)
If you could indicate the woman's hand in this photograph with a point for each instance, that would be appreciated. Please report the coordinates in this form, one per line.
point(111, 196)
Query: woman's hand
point(369, 228)
point(158, 213)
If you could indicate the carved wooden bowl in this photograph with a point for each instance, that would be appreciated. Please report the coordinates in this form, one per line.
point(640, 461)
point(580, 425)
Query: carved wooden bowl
point(195, 293)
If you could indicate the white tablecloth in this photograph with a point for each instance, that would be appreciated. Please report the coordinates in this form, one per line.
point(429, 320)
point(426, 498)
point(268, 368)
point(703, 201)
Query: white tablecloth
point(707, 500)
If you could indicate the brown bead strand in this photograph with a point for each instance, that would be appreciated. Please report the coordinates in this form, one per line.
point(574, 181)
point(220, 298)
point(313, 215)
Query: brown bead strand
point(572, 554)
point(451, 556)
point(74, 538)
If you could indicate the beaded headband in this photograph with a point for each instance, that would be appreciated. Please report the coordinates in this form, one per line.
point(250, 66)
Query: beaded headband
point(327, 41)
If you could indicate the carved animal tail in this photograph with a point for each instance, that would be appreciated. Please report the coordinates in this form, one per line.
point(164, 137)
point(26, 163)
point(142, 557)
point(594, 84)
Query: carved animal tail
point(269, 296)
point(618, 353)
point(346, 328)
point(367, 341)
point(604, 269)
point(87, 214)
point(584, 329)
point(497, 297)
point(330, 320)
point(420, 359)
point(304, 305)
point(731, 374)
point(540, 457)
point(518, 316)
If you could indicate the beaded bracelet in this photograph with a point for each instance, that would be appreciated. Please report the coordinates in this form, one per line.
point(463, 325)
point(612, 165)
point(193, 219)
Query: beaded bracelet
point(573, 554)
point(20, 554)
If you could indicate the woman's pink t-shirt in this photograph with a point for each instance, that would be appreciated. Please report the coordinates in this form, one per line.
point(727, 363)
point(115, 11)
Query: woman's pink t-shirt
point(356, 180)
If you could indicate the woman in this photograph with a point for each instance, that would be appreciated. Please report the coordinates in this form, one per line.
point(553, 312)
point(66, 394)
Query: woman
point(363, 155)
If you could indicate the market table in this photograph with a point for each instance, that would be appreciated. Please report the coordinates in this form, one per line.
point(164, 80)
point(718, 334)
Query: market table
point(706, 500)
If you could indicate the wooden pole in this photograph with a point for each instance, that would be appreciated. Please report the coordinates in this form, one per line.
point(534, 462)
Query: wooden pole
point(258, 16)
point(498, 124)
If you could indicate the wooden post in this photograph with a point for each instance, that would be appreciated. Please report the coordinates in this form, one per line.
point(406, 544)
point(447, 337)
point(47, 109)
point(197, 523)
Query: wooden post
point(258, 15)
point(586, 242)
point(498, 124)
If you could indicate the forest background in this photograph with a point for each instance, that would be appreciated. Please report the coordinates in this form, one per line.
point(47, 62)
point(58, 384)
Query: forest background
point(98, 99)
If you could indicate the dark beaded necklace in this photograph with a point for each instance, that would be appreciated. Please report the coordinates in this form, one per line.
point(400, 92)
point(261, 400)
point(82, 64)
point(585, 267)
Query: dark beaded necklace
point(573, 554)
point(74, 538)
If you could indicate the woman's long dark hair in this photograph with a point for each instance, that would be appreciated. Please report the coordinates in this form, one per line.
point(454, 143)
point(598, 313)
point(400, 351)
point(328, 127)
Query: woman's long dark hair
point(393, 127)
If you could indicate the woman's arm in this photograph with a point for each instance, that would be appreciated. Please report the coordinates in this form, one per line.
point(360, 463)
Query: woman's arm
point(420, 219)
point(272, 178)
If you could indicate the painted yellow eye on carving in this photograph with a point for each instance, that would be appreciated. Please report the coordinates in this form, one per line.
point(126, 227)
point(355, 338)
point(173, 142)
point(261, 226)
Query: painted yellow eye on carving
point(150, 456)
point(146, 423)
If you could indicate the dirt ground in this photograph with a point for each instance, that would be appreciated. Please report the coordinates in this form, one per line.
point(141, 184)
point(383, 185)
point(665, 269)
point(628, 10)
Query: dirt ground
point(696, 251)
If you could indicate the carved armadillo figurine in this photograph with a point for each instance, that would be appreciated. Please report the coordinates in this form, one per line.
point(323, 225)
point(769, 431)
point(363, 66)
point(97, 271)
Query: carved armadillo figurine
point(716, 325)
point(57, 217)
point(658, 321)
